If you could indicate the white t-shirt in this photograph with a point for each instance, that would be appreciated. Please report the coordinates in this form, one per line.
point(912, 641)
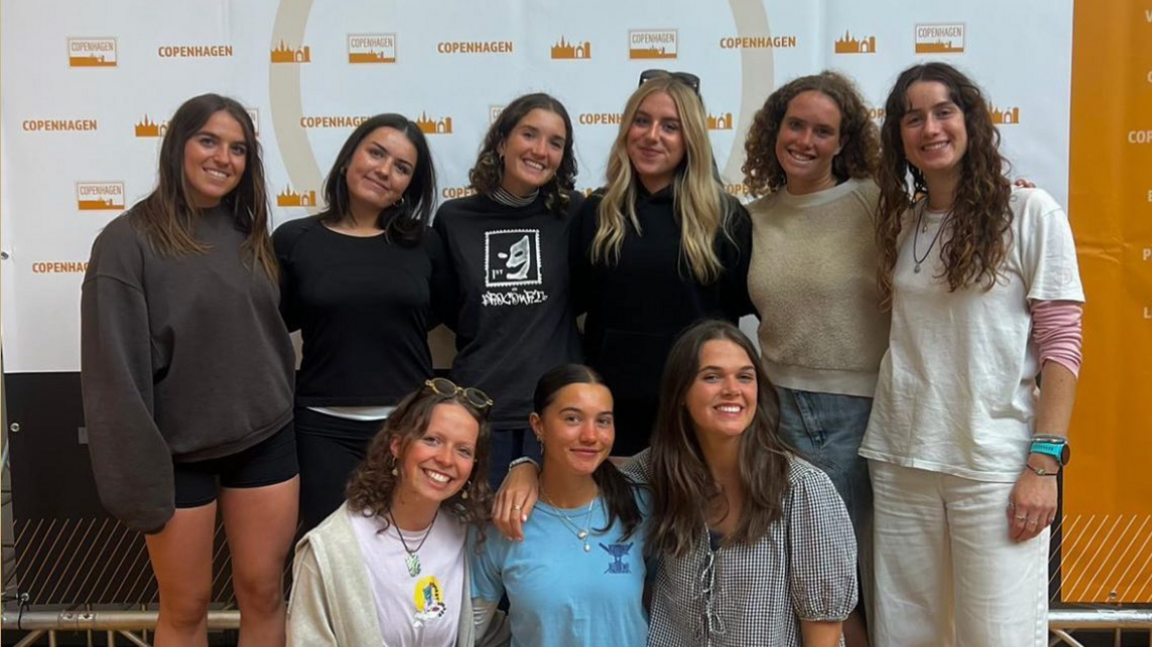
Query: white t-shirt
point(957, 387)
point(420, 611)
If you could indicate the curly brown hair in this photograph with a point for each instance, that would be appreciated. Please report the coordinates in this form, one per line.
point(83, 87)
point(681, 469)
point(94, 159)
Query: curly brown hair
point(861, 149)
point(979, 235)
point(486, 175)
point(372, 485)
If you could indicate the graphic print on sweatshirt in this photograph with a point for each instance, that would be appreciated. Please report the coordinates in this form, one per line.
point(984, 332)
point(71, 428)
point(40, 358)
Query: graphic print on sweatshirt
point(512, 260)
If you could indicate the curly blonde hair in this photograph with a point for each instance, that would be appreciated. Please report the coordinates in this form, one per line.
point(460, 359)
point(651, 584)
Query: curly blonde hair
point(980, 224)
point(701, 205)
point(859, 156)
point(372, 485)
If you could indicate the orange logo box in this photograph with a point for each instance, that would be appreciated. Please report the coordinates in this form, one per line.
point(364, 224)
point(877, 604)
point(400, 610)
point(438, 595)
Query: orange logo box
point(721, 122)
point(285, 54)
point(940, 38)
point(289, 198)
point(849, 44)
point(564, 50)
point(92, 52)
point(1005, 117)
point(371, 48)
point(100, 196)
point(148, 128)
point(653, 43)
point(432, 127)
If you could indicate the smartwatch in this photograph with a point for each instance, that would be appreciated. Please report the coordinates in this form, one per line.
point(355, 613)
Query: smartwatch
point(1054, 446)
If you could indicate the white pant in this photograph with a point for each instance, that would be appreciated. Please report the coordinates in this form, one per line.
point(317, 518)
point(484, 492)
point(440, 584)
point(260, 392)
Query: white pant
point(946, 572)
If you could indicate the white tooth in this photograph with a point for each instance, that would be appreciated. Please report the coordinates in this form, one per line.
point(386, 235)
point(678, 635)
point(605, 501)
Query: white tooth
point(436, 476)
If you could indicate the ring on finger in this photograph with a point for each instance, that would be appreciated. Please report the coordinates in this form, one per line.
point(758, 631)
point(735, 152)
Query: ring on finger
point(517, 506)
point(1021, 517)
point(1033, 522)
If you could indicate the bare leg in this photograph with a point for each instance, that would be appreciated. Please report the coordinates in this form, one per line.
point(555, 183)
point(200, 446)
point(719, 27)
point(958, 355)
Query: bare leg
point(260, 523)
point(181, 556)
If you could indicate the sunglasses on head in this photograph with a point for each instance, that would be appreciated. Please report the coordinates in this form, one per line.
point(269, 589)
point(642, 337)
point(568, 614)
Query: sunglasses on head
point(690, 80)
point(473, 396)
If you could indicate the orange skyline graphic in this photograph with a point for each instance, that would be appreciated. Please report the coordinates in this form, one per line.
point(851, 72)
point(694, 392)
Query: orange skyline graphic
point(149, 128)
point(98, 205)
point(370, 57)
point(90, 60)
point(573, 51)
point(939, 47)
point(721, 122)
point(289, 198)
point(1004, 117)
point(431, 127)
point(848, 44)
point(650, 52)
point(284, 54)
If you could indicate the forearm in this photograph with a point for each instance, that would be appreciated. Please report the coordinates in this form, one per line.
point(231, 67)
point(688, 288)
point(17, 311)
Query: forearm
point(820, 633)
point(1057, 395)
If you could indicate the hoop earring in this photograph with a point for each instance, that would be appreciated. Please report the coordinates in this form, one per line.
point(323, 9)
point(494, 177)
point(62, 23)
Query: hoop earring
point(464, 492)
point(399, 204)
point(395, 468)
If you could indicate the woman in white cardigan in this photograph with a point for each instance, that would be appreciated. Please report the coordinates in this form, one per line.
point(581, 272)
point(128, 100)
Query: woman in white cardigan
point(388, 543)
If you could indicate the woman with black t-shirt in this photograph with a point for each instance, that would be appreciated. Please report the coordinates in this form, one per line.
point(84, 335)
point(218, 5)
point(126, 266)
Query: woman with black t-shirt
point(359, 282)
point(508, 248)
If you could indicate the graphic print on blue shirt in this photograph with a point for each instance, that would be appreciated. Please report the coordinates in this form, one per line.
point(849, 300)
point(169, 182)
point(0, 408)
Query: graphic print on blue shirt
point(512, 259)
point(618, 552)
point(429, 598)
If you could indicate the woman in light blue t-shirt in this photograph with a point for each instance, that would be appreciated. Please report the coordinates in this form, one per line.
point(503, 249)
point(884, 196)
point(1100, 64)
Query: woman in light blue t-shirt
point(578, 577)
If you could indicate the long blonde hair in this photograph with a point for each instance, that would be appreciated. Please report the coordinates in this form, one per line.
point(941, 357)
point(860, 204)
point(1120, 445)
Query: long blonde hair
point(698, 197)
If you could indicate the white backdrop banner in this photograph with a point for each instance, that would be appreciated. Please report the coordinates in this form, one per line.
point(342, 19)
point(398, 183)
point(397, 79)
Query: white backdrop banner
point(88, 87)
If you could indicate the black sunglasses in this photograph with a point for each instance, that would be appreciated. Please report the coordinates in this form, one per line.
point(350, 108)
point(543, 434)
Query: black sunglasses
point(690, 80)
point(473, 396)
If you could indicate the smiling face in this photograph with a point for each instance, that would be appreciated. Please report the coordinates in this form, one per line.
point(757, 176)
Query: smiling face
point(576, 428)
point(532, 151)
point(435, 466)
point(933, 131)
point(380, 170)
point(214, 160)
point(722, 399)
point(655, 141)
point(808, 140)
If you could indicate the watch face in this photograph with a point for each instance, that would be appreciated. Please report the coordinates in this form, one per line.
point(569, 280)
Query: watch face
point(1065, 453)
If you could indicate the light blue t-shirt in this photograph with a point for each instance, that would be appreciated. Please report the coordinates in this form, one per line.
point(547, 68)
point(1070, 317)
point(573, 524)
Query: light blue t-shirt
point(561, 596)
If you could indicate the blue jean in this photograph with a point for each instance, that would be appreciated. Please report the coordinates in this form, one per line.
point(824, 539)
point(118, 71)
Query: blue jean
point(826, 430)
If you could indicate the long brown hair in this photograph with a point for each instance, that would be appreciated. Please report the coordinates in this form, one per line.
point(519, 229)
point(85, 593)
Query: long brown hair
point(702, 207)
point(857, 159)
point(619, 491)
point(685, 487)
point(372, 485)
point(488, 172)
point(166, 217)
point(979, 235)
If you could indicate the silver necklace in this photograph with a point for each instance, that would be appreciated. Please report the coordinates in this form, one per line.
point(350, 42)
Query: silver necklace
point(922, 226)
point(412, 561)
point(580, 532)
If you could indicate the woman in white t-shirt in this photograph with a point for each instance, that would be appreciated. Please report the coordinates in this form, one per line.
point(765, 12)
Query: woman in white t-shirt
point(985, 294)
point(386, 567)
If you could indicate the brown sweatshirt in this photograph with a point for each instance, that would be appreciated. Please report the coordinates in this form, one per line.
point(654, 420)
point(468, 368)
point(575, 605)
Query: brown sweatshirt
point(182, 359)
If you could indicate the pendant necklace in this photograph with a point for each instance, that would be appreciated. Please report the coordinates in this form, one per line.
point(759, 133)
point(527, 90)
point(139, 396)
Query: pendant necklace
point(580, 532)
point(922, 226)
point(412, 561)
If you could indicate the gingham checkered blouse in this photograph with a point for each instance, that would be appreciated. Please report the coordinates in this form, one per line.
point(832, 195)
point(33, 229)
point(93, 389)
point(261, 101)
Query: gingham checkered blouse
point(804, 568)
